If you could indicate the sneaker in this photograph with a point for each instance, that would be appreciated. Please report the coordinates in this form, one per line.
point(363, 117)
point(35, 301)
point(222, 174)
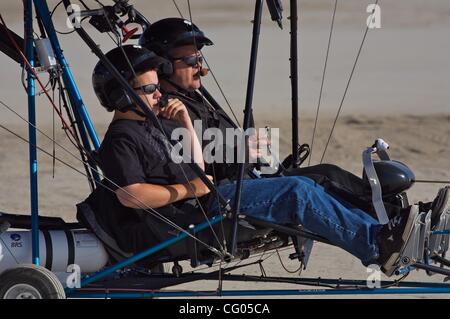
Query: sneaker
point(393, 238)
point(441, 205)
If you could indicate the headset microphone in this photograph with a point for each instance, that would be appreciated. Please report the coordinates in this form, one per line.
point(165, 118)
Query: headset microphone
point(204, 71)
point(163, 101)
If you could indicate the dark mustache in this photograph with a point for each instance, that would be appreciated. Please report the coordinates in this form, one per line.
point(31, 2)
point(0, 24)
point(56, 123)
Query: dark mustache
point(202, 72)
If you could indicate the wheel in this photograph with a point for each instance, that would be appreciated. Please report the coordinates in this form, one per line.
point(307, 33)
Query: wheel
point(30, 282)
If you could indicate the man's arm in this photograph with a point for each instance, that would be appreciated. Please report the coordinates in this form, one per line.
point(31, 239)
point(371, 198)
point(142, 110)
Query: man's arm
point(176, 111)
point(143, 195)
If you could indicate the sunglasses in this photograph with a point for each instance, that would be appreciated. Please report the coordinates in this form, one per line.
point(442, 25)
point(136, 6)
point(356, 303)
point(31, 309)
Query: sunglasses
point(149, 88)
point(191, 60)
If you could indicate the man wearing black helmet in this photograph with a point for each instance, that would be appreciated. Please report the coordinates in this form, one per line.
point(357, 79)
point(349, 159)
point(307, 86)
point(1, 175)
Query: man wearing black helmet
point(133, 151)
point(179, 41)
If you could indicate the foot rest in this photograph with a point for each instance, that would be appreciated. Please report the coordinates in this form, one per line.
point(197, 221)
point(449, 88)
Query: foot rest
point(414, 249)
point(424, 243)
point(439, 237)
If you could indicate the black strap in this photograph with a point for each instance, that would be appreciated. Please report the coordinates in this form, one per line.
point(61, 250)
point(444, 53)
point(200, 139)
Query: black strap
point(138, 112)
point(70, 248)
point(48, 249)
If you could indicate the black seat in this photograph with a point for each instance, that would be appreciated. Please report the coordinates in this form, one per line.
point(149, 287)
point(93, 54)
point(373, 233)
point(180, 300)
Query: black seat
point(45, 222)
point(192, 250)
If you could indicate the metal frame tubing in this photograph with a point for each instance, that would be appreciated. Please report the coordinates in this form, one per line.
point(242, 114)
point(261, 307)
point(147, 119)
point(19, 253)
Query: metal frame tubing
point(28, 16)
point(74, 95)
point(248, 118)
point(106, 272)
point(288, 292)
point(294, 82)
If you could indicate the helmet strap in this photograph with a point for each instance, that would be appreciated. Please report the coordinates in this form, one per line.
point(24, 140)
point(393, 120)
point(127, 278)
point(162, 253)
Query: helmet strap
point(176, 86)
point(138, 112)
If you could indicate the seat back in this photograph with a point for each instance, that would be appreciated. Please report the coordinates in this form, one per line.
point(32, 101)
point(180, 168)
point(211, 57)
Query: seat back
point(394, 176)
point(86, 215)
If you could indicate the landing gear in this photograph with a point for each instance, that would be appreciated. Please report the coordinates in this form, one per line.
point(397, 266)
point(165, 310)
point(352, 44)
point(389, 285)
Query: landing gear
point(428, 245)
point(177, 270)
point(30, 282)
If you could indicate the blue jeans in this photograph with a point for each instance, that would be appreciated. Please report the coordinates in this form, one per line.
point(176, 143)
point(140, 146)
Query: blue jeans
point(299, 200)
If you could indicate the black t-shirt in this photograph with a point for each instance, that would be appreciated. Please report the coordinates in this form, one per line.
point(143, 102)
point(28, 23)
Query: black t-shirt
point(136, 152)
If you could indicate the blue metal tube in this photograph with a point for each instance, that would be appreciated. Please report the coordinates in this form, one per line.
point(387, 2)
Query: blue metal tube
point(145, 253)
point(84, 138)
point(44, 13)
point(404, 270)
point(280, 292)
point(28, 15)
point(441, 232)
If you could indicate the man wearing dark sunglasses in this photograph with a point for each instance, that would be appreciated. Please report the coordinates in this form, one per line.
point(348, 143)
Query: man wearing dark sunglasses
point(187, 63)
point(190, 60)
point(180, 41)
point(134, 155)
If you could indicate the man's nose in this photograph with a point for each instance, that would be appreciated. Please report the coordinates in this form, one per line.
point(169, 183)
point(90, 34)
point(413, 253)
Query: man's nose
point(157, 94)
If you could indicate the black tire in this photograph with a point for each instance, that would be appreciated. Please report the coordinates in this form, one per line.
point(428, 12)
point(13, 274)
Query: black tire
point(30, 282)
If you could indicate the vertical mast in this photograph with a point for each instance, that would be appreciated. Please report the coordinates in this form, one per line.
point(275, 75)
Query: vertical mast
point(294, 82)
point(248, 119)
point(28, 35)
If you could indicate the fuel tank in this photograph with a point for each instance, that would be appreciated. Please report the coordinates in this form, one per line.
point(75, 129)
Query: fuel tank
point(57, 249)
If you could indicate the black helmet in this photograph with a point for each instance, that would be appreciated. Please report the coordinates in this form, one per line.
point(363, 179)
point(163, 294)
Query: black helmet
point(169, 33)
point(108, 90)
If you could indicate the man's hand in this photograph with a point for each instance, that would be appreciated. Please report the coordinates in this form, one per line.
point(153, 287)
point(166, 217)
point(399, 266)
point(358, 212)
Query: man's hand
point(176, 110)
point(196, 187)
point(255, 146)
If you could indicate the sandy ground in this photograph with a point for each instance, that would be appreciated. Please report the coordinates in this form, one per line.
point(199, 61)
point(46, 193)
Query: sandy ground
point(399, 92)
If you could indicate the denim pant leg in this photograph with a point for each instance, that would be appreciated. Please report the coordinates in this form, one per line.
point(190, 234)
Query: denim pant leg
point(299, 200)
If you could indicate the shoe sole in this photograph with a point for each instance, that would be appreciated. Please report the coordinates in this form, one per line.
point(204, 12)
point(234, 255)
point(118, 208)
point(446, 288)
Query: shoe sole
point(442, 205)
point(390, 266)
point(440, 221)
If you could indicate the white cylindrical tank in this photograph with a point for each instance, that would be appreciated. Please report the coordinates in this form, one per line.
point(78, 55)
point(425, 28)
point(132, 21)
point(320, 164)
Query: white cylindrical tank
point(45, 53)
point(57, 250)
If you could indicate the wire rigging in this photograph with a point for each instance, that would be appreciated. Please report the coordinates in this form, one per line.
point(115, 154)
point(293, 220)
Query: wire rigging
point(118, 42)
point(144, 207)
point(323, 81)
point(210, 69)
point(347, 87)
point(178, 9)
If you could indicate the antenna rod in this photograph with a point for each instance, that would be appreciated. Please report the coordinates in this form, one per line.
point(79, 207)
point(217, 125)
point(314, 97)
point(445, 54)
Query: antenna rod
point(29, 52)
point(248, 120)
point(294, 83)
